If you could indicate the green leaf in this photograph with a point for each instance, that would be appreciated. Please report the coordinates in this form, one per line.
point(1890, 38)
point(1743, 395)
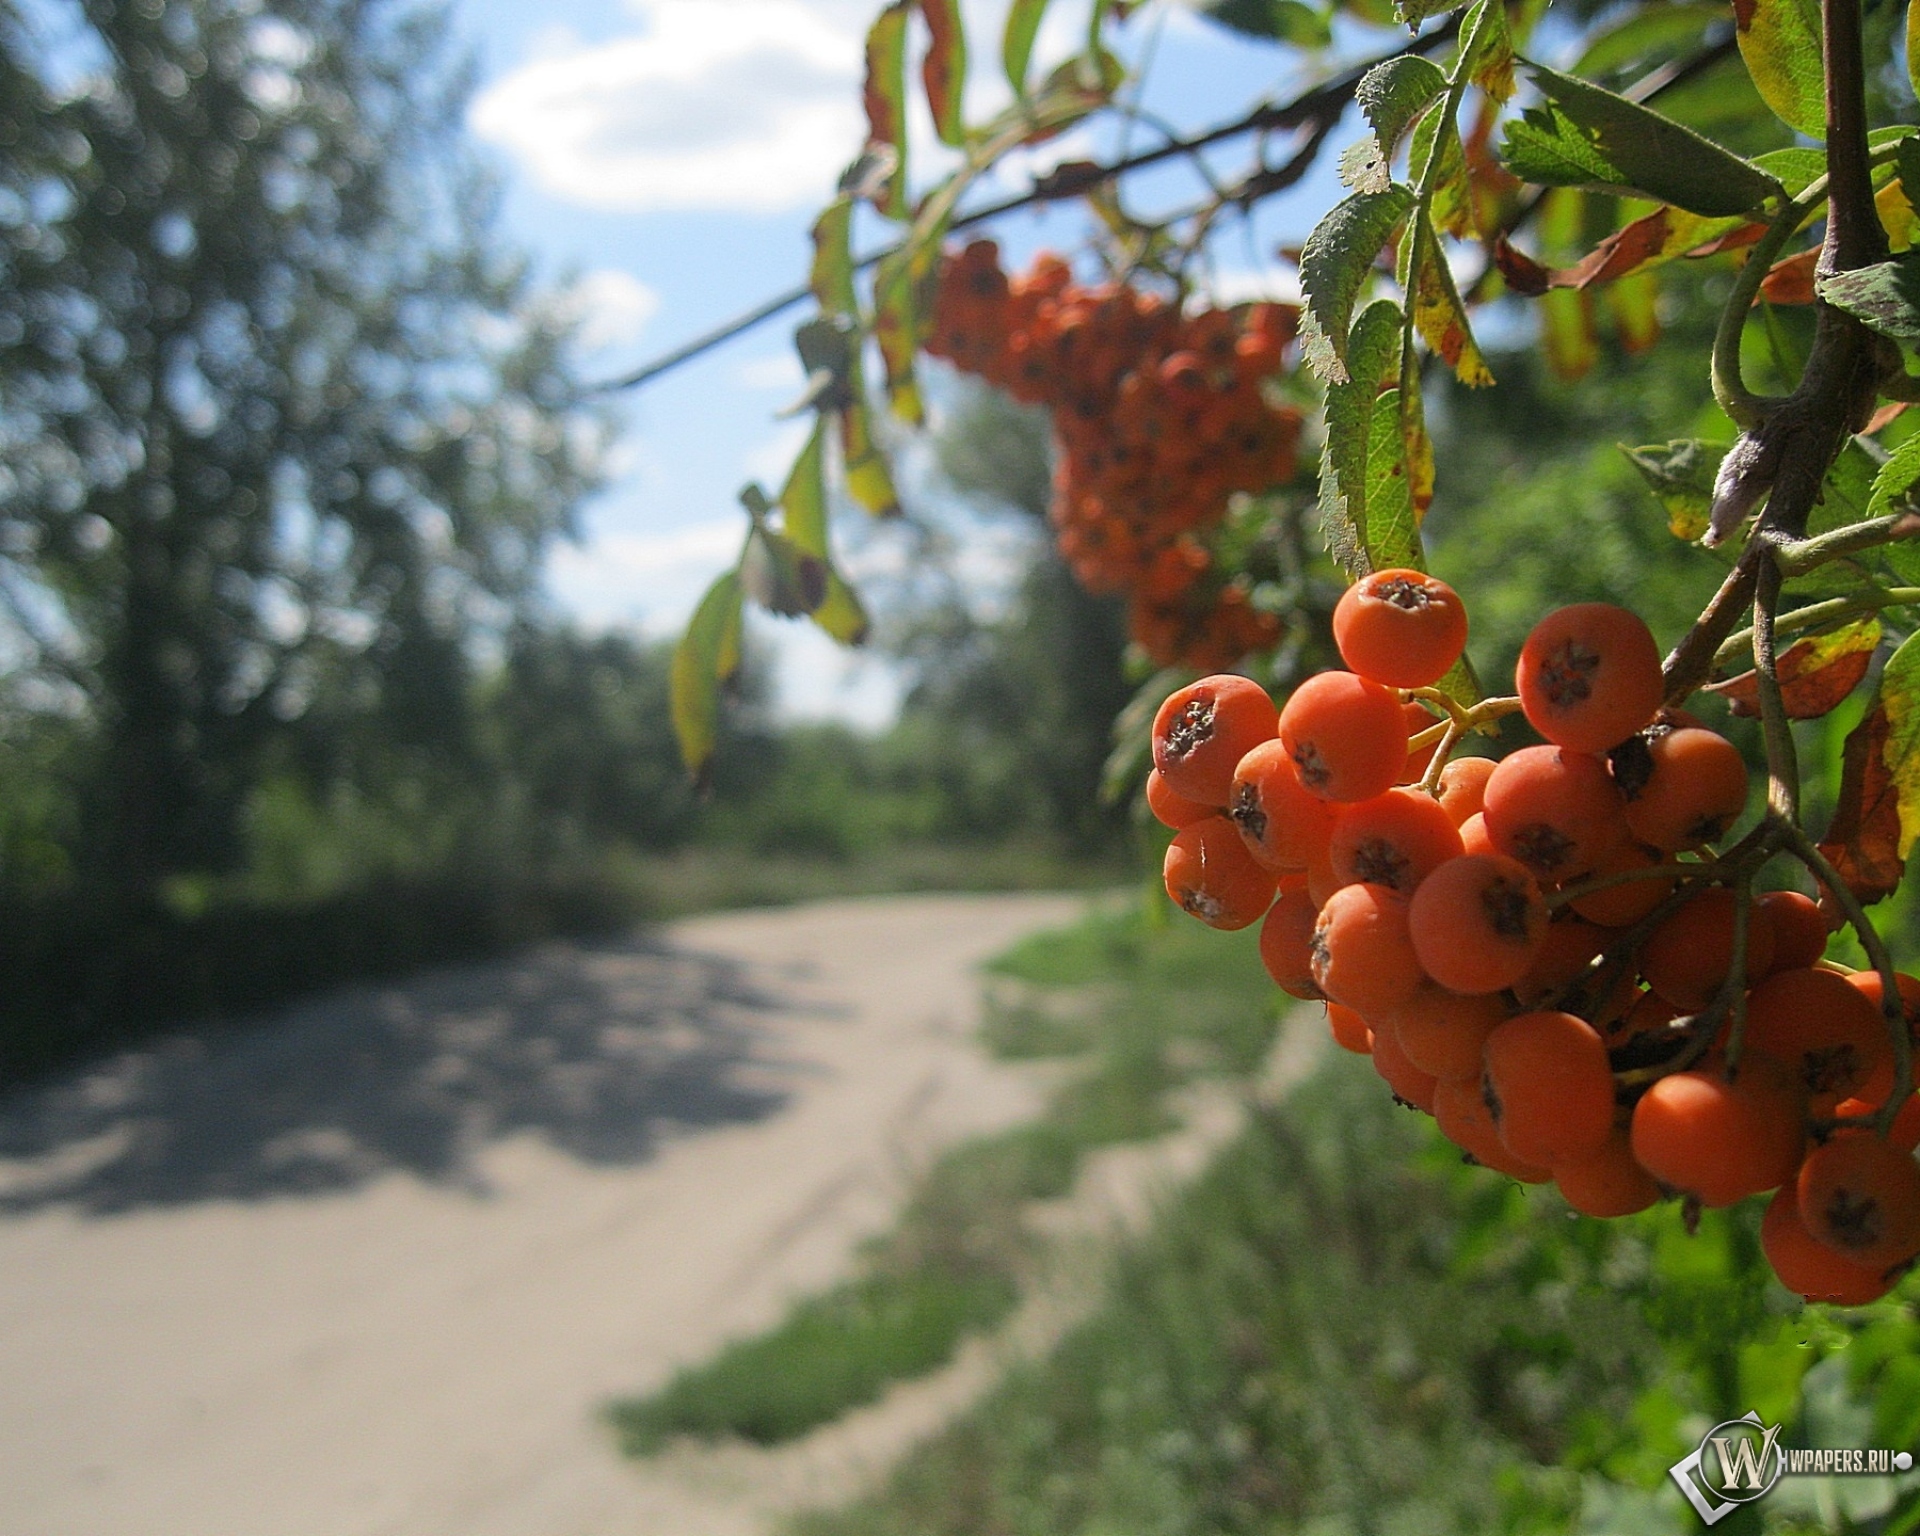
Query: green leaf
point(1016, 44)
point(1680, 474)
point(842, 615)
point(1886, 296)
point(1280, 21)
point(885, 96)
point(1452, 205)
point(1661, 30)
point(1334, 266)
point(803, 499)
point(694, 690)
point(1900, 696)
point(1780, 40)
point(1581, 135)
point(944, 70)
point(832, 275)
point(1895, 484)
point(1394, 93)
point(1392, 531)
point(1438, 312)
point(1372, 349)
point(1413, 12)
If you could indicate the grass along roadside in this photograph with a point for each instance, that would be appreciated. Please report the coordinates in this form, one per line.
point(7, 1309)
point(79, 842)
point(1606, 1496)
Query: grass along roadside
point(1172, 1002)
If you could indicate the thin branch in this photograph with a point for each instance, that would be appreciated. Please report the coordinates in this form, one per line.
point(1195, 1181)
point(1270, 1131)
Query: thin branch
point(1319, 108)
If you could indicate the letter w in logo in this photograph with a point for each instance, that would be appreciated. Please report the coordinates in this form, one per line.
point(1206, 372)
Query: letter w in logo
point(1743, 1464)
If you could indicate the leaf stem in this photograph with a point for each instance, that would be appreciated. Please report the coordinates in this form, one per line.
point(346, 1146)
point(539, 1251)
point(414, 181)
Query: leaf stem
point(1783, 763)
point(1833, 612)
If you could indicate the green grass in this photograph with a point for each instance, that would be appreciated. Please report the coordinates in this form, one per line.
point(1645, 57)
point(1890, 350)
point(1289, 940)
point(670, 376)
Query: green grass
point(1294, 1349)
point(954, 1261)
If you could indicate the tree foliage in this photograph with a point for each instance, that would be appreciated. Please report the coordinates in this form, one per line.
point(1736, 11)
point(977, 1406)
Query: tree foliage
point(283, 427)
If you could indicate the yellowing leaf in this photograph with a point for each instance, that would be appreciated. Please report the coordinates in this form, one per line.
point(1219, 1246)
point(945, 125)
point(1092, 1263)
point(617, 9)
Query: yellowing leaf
point(869, 481)
point(885, 96)
point(832, 275)
point(1780, 40)
point(944, 70)
point(1900, 697)
point(896, 329)
point(694, 684)
point(1815, 674)
point(1568, 317)
point(1438, 312)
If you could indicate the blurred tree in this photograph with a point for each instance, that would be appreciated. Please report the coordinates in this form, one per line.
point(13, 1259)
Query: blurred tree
point(281, 429)
point(1019, 704)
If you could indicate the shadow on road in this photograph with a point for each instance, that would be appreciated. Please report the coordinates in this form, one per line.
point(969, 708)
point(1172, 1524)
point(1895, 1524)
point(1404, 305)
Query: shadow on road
point(598, 1049)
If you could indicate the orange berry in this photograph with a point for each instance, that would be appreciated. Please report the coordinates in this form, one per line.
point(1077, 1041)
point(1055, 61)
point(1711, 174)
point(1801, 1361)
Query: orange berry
point(1566, 953)
point(1549, 1087)
point(1284, 824)
point(1474, 837)
point(1807, 1266)
point(1826, 1032)
point(1349, 1030)
point(1904, 1133)
point(1362, 955)
point(1589, 676)
point(1556, 811)
point(1476, 923)
point(1396, 840)
point(1606, 1181)
point(1203, 730)
point(1286, 938)
point(1861, 1198)
point(1172, 810)
point(1463, 787)
point(1696, 790)
point(1868, 983)
point(1461, 1112)
point(1618, 906)
point(1402, 628)
point(1409, 1084)
point(1443, 1033)
point(1211, 876)
point(1799, 931)
point(1718, 1141)
point(1346, 735)
point(1686, 958)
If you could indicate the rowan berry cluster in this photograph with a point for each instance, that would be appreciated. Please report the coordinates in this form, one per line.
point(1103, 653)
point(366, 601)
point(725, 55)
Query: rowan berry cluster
point(1159, 417)
point(1544, 953)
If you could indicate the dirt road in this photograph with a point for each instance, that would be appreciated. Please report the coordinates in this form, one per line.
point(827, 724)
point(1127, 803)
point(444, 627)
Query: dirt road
point(371, 1271)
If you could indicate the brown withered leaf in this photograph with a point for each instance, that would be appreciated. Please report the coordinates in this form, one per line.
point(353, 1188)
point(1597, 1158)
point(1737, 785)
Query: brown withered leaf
point(1863, 841)
point(1815, 674)
point(1524, 275)
point(1790, 280)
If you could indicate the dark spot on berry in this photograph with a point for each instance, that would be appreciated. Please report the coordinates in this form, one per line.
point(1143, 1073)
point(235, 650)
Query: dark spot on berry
point(1245, 812)
point(1191, 729)
point(1507, 909)
point(1830, 1069)
point(1853, 1221)
point(1402, 592)
point(1379, 862)
point(1567, 674)
point(1542, 848)
point(1311, 766)
point(1708, 829)
point(1489, 1097)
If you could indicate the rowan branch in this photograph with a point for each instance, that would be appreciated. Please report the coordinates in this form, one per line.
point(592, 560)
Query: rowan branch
point(1317, 109)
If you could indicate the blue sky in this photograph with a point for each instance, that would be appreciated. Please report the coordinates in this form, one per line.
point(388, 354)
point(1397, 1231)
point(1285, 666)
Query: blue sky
point(667, 157)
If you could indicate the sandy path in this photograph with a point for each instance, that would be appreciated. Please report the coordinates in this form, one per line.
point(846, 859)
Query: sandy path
point(372, 1271)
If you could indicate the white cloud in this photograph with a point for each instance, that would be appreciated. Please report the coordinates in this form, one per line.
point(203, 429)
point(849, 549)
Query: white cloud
point(770, 460)
point(651, 580)
point(815, 678)
point(738, 104)
point(1245, 285)
point(611, 307)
